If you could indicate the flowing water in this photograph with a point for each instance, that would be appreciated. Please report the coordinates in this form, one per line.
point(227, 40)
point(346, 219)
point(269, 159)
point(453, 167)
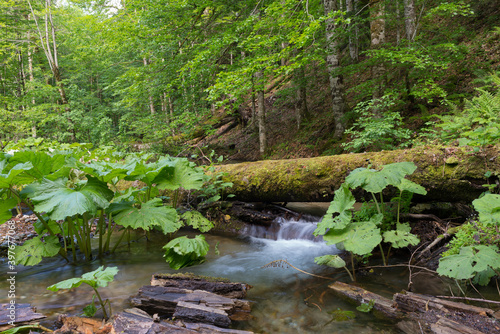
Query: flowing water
point(286, 300)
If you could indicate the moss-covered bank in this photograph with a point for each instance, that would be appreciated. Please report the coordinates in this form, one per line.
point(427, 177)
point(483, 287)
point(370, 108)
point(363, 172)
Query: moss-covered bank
point(448, 173)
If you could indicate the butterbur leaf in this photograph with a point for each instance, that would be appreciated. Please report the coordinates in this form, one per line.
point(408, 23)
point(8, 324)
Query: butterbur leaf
point(151, 214)
point(488, 207)
point(401, 236)
point(182, 252)
point(43, 164)
point(375, 181)
point(407, 185)
point(33, 250)
point(5, 206)
point(342, 203)
point(470, 261)
point(197, 221)
point(333, 261)
point(184, 175)
point(60, 201)
point(358, 238)
point(96, 279)
point(12, 177)
point(90, 309)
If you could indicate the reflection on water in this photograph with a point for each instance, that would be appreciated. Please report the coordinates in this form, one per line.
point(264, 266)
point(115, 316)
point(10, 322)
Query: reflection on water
point(286, 301)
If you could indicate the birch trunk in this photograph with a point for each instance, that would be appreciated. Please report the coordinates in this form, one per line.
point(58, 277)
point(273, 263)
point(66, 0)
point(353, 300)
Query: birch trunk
point(353, 30)
point(377, 30)
point(410, 19)
point(261, 113)
point(333, 65)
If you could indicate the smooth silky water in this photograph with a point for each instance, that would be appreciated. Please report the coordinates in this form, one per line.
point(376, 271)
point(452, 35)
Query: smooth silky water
point(286, 301)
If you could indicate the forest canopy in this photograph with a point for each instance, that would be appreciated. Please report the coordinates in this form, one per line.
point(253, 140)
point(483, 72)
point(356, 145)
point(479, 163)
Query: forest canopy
point(357, 74)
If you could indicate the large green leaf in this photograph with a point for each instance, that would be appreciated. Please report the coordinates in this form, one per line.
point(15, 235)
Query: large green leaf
point(333, 261)
point(102, 170)
point(96, 279)
point(375, 181)
point(342, 204)
point(11, 177)
point(184, 175)
point(43, 164)
point(358, 238)
point(197, 221)
point(140, 170)
point(151, 213)
point(470, 261)
point(182, 252)
point(407, 185)
point(33, 250)
point(401, 236)
point(5, 206)
point(488, 207)
point(60, 201)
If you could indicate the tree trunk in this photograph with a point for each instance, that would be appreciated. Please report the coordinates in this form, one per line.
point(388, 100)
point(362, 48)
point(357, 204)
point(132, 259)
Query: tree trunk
point(261, 113)
point(316, 179)
point(353, 30)
point(377, 30)
point(301, 110)
point(150, 97)
point(410, 19)
point(333, 65)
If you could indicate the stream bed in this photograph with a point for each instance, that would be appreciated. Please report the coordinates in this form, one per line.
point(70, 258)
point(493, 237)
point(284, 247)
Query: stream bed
point(286, 300)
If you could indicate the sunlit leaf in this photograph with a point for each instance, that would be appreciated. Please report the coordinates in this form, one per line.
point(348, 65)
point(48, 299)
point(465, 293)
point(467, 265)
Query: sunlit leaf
point(197, 221)
point(182, 252)
point(33, 250)
point(401, 236)
point(333, 261)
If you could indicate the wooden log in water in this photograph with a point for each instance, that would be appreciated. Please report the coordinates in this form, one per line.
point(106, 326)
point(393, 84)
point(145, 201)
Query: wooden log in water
point(200, 313)
point(18, 314)
point(383, 307)
point(165, 300)
point(192, 282)
point(414, 302)
point(136, 321)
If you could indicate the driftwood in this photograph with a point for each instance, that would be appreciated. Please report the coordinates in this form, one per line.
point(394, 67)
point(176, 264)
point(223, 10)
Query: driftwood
point(20, 314)
point(192, 282)
point(383, 307)
point(449, 174)
point(425, 314)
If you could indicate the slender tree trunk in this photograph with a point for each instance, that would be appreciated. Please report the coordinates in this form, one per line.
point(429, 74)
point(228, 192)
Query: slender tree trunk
point(150, 96)
point(377, 29)
point(32, 79)
point(261, 113)
point(353, 30)
point(410, 19)
point(333, 65)
point(301, 110)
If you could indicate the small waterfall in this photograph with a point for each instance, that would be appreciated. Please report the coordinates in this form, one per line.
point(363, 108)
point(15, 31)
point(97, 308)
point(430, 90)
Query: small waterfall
point(285, 229)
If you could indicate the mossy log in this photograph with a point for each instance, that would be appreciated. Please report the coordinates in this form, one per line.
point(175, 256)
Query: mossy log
point(450, 174)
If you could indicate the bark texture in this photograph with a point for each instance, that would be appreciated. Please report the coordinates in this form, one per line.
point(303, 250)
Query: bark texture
point(333, 66)
point(449, 174)
point(410, 19)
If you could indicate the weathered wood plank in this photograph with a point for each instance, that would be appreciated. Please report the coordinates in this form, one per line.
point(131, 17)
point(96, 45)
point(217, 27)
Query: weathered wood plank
point(383, 306)
point(193, 282)
point(447, 326)
point(17, 314)
point(201, 313)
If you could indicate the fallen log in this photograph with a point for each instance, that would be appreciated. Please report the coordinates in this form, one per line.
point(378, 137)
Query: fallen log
point(383, 307)
point(18, 315)
point(449, 174)
point(191, 282)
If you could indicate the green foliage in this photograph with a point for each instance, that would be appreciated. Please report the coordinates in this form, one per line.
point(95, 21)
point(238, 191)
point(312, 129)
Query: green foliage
point(474, 252)
point(366, 307)
point(183, 252)
point(371, 132)
point(342, 315)
point(98, 278)
point(477, 125)
point(69, 196)
point(361, 233)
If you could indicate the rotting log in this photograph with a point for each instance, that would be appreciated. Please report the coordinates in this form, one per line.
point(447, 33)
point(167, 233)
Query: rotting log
point(193, 282)
point(382, 307)
point(18, 314)
point(450, 174)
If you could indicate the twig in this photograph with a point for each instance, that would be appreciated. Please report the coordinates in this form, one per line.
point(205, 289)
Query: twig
point(279, 263)
point(402, 265)
point(470, 299)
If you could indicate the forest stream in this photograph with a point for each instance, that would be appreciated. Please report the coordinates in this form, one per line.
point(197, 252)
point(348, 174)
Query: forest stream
point(285, 300)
